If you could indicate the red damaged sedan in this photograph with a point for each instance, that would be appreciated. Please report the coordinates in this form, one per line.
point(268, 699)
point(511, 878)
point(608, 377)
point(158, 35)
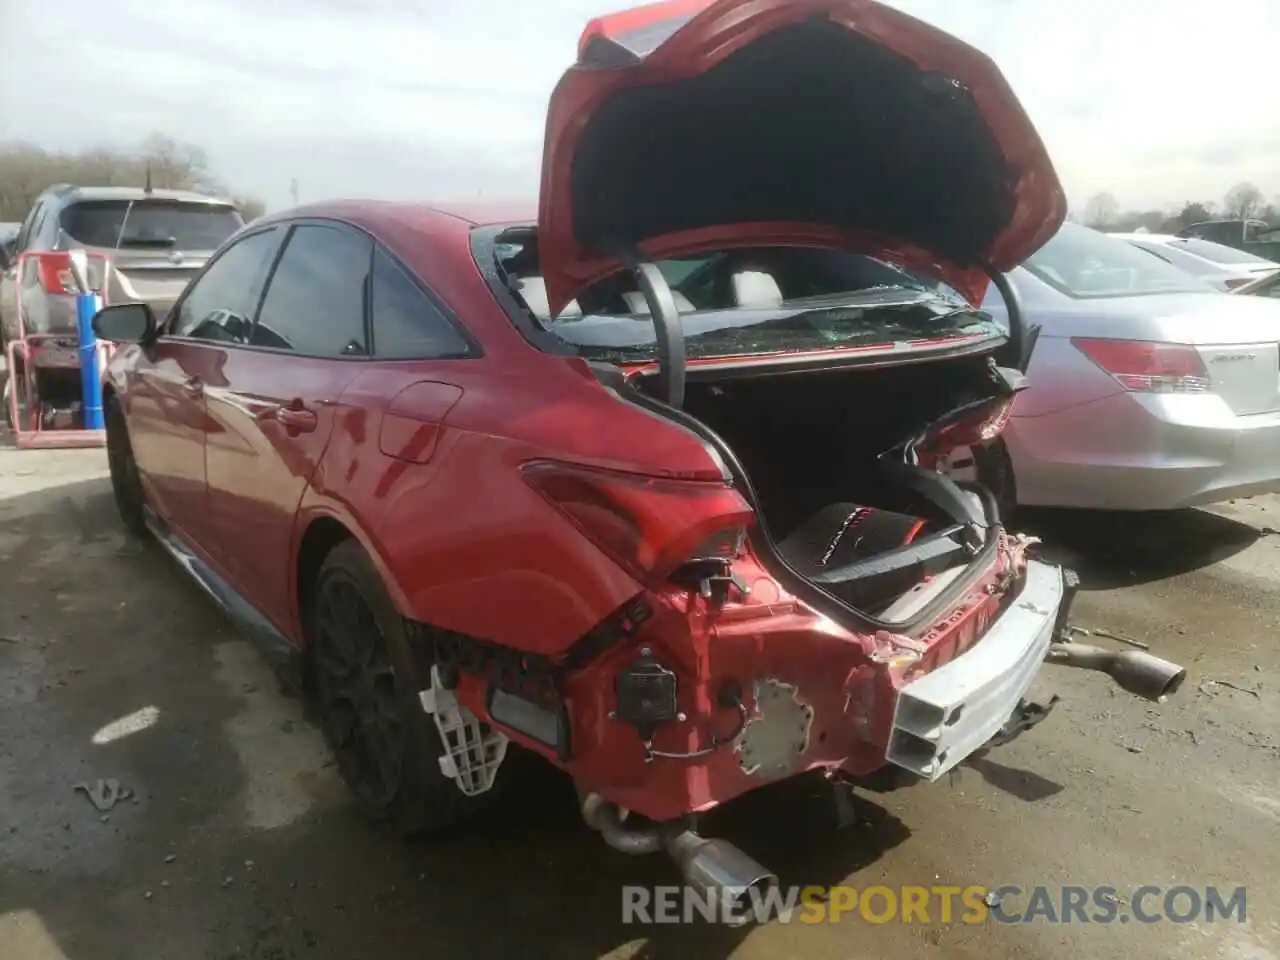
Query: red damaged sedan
point(647, 484)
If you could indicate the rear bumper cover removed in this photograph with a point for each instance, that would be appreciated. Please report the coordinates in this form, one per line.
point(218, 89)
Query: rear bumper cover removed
point(944, 716)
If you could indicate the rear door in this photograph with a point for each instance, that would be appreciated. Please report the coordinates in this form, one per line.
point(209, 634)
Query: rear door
point(274, 411)
point(167, 414)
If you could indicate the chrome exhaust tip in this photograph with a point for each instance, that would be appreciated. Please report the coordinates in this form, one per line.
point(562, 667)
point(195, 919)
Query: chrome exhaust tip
point(732, 884)
point(721, 873)
point(1134, 671)
point(1146, 676)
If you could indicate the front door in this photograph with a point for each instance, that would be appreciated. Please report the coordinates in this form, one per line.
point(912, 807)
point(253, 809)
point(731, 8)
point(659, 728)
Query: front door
point(167, 428)
point(272, 418)
point(168, 414)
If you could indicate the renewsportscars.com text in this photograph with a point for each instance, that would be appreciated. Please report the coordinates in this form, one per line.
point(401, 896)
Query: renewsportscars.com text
point(1005, 903)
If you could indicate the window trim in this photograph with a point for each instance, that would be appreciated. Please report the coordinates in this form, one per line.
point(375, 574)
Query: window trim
point(165, 331)
point(475, 351)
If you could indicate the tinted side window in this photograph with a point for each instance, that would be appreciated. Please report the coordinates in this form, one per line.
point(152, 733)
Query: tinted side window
point(220, 304)
point(406, 324)
point(315, 303)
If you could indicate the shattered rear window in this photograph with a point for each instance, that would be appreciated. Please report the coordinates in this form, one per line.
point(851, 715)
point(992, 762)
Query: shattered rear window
point(752, 302)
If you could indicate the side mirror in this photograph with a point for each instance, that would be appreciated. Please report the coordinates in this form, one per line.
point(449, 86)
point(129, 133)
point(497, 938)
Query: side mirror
point(125, 323)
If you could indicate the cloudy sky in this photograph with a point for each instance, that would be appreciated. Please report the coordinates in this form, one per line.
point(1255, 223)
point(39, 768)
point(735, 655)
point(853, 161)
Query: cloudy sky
point(1156, 101)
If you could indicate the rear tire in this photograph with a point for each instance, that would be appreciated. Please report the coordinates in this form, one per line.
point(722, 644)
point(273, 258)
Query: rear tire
point(366, 689)
point(126, 484)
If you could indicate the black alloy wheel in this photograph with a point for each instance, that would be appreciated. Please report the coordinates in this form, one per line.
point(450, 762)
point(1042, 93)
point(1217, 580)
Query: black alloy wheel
point(358, 699)
point(366, 688)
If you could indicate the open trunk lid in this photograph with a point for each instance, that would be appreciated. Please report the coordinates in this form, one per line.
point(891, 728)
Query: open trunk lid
point(698, 124)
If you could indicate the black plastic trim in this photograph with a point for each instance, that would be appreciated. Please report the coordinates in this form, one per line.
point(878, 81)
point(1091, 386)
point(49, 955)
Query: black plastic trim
point(484, 252)
point(284, 657)
point(940, 546)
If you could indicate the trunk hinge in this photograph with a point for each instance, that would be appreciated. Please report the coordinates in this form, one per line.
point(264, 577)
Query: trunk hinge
point(666, 322)
point(1022, 339)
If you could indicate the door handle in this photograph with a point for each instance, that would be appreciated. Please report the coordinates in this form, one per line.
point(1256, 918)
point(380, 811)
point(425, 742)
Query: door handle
point(293, 416)
point(193, 387)
point(296, 418)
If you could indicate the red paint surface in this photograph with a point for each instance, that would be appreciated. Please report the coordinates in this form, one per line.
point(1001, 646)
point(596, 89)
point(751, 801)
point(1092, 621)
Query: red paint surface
point(720, 28)
point(422, 462)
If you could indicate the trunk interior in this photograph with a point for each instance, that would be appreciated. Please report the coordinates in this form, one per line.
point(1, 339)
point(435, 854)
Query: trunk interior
point(810, 444)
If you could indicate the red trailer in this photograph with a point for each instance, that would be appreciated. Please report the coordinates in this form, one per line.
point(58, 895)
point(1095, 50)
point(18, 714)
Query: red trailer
point(43, 395)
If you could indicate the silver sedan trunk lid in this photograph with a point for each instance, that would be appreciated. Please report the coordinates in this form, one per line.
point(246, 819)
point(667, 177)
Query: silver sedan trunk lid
point(1238, 338)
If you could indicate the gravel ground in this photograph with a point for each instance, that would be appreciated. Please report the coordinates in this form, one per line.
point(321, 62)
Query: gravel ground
point(238, 840)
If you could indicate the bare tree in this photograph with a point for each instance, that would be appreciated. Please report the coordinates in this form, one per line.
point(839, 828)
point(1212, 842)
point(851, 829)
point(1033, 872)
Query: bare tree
point(26, 170)
point(1101, 210)
point(250, 208)
point(1243, 201)
point(178, 166)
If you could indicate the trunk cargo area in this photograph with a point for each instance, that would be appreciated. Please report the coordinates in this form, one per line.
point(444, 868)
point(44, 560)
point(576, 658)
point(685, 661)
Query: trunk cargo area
point(810, 443)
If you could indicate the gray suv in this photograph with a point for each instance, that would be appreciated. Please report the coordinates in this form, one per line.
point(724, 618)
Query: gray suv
point(156, 240)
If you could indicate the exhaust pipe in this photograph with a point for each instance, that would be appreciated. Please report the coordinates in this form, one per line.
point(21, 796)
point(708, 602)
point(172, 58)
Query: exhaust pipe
point(722, 873)
point(604, 817)
point(1136, 671)
point(717, 870)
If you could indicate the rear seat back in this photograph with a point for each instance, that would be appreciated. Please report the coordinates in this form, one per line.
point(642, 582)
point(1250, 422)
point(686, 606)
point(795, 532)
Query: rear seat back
point(755, 288)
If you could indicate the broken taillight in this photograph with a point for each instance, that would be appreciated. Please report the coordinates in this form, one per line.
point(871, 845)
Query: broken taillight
point(648, 525)
point(976, 427)
point(1144, 366)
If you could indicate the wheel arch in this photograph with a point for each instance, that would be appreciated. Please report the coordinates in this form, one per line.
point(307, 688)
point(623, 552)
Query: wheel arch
point(321, 535)
point(320, 528)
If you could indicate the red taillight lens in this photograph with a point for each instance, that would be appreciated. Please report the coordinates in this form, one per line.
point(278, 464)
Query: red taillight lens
point(1143, 366)
point(648, 525)
point(54, 272)
point(978, 427)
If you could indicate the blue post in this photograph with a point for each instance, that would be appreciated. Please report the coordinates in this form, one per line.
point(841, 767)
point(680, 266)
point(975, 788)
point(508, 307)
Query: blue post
point(90, 379)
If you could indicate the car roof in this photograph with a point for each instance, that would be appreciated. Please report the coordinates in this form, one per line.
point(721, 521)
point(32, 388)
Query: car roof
point(76, 193)
point(430, 239)
point(372, 214)
point(1156, 237)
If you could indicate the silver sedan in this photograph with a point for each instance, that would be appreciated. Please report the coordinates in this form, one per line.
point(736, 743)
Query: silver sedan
point(1149, 389)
